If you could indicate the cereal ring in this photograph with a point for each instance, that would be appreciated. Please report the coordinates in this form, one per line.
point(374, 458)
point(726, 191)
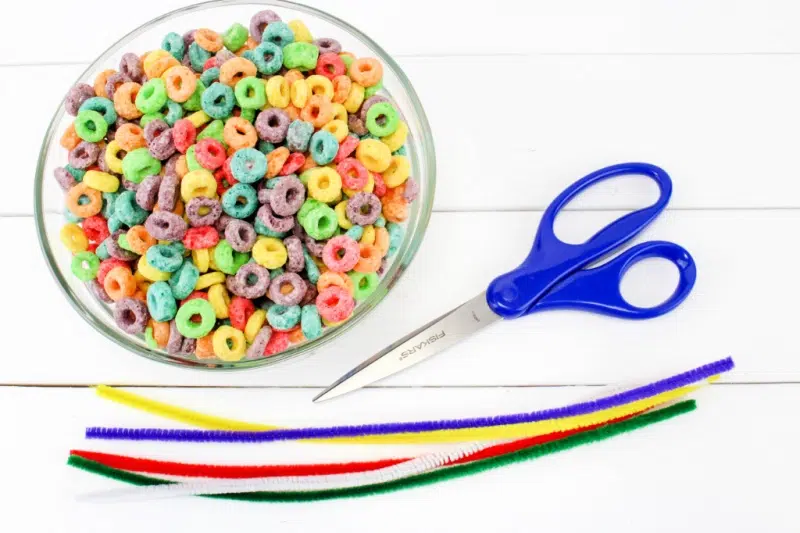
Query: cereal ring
point(354, 175)
point(202, 211)
point(236, 69)
point(152, 96)
point(318, 111)
point(104, 106)
point(369, 259)
point(298, 135)
point(330, 65)
point(130, 137)
point(99, 292)
point(91, 198)
point(275, 161)
point(314, 248)
point(147, 192)
point(367, 105)
point(341, 253)
point(295, 258)
point(274, 223)
point(64, 178)
point(180, 83)
point(259, 344)
point(248, 165)
point(240, 310)
point(299, 93)
point(73, 237)
point(139, 241)
point(197, 57)
point(363, 284)
point(84, 155)
point(100, 82)
point(127, 210)
point(341, 215)
point(229, 343)
point(356, 125)
point(173, 44)
point(269, 252)
point(287, 196)
point(240, 235)
point(234, 37)
point(382, 119)
point(250, 93)
point(337, 128)
point(251, 281)
point(95, 228)
point(240, 201)
point(164, 257)
point(210, 153)
point(267, 57)
point(293, 163)
point(222, 56)
point(165, 226)
point(226, 259)
point(336, 279)
point(323, 147)
point(374, 155)
point(366, 71)
point(90, 126)
point(76, 96)
point(196, 183)
point(272, 125)
point(397, 172)
point(327, 45)
point(124, 100)
point(324, 184)
point(107, 265)
point(363, 208)
point(208, 40)
point(177, 344)
point(335, 304)
point(287, 289)
point(218, 100)
point(283, 317)
point(342, 85)
point(131, 66)
point(119, 283)
point(321, 223)
point(101, 181)
point(168, 192)
point(184, 319)
point(239, 133)
point(320, 85)
point(131, 315)
point(138, 163)
point(354, 99)
point(160, 302)
point(278, 33)
point(278, 91)
point(259, 22)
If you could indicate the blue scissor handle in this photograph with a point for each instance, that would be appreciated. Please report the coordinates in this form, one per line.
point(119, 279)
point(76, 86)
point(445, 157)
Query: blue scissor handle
point(598, 289)
point(551, 260)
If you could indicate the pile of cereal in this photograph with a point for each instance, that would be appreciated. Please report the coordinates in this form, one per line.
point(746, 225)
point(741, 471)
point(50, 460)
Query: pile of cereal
point(232, 194)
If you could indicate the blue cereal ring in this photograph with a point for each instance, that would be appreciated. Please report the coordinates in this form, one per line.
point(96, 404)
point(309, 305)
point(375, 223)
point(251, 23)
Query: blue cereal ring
point(160, 302)
point(114, 223)
point(108, 204)
point(312, 270)
point(104, 106)
point(310, 322)
point(323, 147)
point(396, 233)
point(210, 76)
point(174, 113)
point(218, 100)
point(73, 218)
point(164, 257)
point(283, 317)
point(298, 135)
point(233, 207)
point(127, 211)
point(278, 33)
point(355, 233)
point(248, 165)
point(267, 57)
point(275, 273)
point(380, 223)
point(182, 282)
point(198, 57)
point(102, 251)
point(174, 45)
point(265, 147)
point(76, 172)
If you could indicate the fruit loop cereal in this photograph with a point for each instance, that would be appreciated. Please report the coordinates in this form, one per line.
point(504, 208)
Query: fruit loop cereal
point(234, 193)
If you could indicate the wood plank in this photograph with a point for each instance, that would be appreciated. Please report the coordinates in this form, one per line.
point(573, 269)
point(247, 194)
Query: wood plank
point(700, 472)
point(580, 113)
point(740, 307)
point(508, 26)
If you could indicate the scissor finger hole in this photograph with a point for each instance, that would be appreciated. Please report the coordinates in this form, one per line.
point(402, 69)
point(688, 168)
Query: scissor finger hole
point(649, 282)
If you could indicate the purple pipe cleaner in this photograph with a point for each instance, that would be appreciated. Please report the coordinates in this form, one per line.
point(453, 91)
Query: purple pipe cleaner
point(600, 404)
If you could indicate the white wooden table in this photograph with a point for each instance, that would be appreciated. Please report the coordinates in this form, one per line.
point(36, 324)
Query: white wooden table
point(708, 89)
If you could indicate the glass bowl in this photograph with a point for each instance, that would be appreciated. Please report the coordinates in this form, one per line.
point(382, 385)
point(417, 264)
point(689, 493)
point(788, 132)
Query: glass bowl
point(49, 198)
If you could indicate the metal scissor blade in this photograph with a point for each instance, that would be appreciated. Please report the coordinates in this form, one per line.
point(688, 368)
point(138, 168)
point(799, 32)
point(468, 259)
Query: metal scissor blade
point(430, 339)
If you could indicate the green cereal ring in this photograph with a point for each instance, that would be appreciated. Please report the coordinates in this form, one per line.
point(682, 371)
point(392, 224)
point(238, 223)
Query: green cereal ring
point(262, 229)
point(194, 330)
point(191, 160)
point(174, 113)
point(138, 164)
point(389, 123)
point(309, 205)
point(228, 260)
point(184, 279)
point(213, 131)
point(240, 201)
point(210, 76)
point(302, 56)
point(198, 57)
point(312, 270)
point(160, 302)
point(235, 37)
point(218, 100)
point(90, 126)
point(85, 265)
point(164, 257)
point(149, 339)
point(127, 210)
point(248, 114)
point(150, 117)
point(152, 96)
point(347, 60)
point(310, 322)
point(370, 91)
point(104, 106)
point(102, 251)
point(76, 172)
point(251, 93)
point(363, 284)
point(321, 223)
point(123, 242)
point(194, 101)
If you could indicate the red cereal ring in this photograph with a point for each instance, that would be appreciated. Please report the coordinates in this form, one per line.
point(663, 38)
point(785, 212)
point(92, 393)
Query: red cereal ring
point(224, 182)
point(330, 65)
point(355, 176)
point(294, 163)
point(335, 304)
point(278, 342)
point(200, 237)
point(239, 311)
point(183, 134)
point(194, 295)
point(106, 265)
point(380, 185)
point(96, 229)
point(211, 62)
point(348, 146)
point(210, 153)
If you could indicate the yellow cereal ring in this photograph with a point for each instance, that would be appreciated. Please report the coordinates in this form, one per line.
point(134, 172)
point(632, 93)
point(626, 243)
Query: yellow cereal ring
point(200, 259)
point(74, 238)
point(278, 92)
point(207, 280)
point(219, 299)
point(150, 272)
point(254, 324)
point(398, 138)
point(301, 33)
point(337, 128)
point(198, 118)
point(354, 99)
point(101, 181)
point(368, 237)
point(324, 184)
point(270, 252)
point(229, 343)
point(198, 182)
point(374, 155)
point(320, 85)
point(341, 210)
point(398, 171)
point(113, 161)
point(339, 112)
point(299, 93)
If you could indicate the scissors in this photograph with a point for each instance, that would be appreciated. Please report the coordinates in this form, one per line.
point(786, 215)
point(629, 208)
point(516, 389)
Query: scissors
point(554, 275)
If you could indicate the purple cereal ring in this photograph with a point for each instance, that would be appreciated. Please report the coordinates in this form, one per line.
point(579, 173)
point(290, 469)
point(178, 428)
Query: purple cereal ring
point(222, 223)
point(168, 192)
point(264, 194)
point(222, 56)
point(188, 38)
point(153, 129)
point(363, 208)
point(177, 344)
point(259, 21)
point(165, 226)
point(256, 349)
point(162, 147)
point(293, 297)
point(383, 267)
point(101, 163)
point(170, 167)
point(114, 81)
point(131, 66)
point(65, 180)
point(268, 218)
point(369, 102)
point(411, 191)
point(356, 125)
point(98, 291)
point(272, 125)
point(294, 248)
point(147, 192)
point(288, 196)
point(241, 235)
point(311, 293)
point(76, 97)
point(299, 232)
point(128, 185)
point(315, 247)
point(186, 61)
point(251, 281)
point(84, 155)
point(327, 45)
point(115, 250)
point(201, 202)
point(131, 315)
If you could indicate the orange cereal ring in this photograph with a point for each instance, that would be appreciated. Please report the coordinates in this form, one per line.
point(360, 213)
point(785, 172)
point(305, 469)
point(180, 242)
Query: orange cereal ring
point(178, 209)
point(181, 83)
point(338, 279)
point(204, 348)
point(91, 208)
point(208, 40)
point(292, 111)
point(100, 82)
point(158, 67)
point(276, 160)
point(236, 69)
point(130, 136)
point(292, 76)
point(238, 133)
point(366, 71)
point(160, 332)
point(70, 139)
point(369, 260)
point(296, 336)
point(119, 283)
point(139, 240)
point(394, 209)
point(249, 44)
point(310, 163)
point(140, 295)
point(181, 166)
point(318, 111)
point(341, 88)
point(125, 100)
point(381, 240)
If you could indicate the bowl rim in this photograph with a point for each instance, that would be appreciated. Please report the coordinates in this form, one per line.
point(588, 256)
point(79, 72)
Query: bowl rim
point(411, 242)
